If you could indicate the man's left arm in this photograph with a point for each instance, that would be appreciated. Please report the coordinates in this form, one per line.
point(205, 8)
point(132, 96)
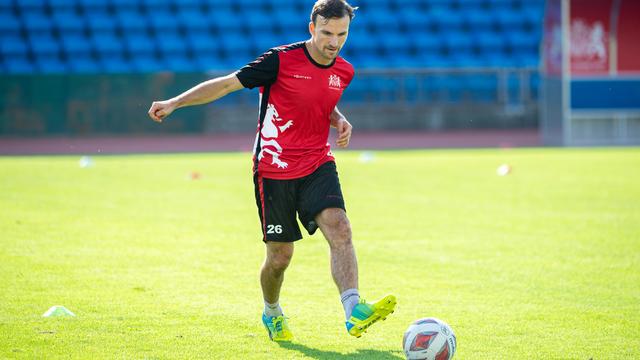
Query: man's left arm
point(344, 128)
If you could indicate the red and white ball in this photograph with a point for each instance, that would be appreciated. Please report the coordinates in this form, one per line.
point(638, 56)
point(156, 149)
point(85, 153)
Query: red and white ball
point(429, 339)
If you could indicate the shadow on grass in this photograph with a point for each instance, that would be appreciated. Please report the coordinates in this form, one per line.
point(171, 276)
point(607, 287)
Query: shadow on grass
point(360, 354)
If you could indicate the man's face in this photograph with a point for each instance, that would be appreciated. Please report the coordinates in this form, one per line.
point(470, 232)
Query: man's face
point(329, 35)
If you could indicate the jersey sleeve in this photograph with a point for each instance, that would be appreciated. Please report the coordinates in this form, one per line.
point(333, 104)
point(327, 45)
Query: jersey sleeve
point(262, 71)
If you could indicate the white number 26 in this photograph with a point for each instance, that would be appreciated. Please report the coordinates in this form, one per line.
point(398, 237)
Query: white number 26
point(274, 229)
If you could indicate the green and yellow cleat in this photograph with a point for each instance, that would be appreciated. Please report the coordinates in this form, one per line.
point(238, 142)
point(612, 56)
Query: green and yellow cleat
point(277, 328)
point(364, 314)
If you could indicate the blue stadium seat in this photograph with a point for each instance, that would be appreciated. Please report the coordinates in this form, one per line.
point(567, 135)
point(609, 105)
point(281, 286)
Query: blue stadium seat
point(279, 4)
point(224, 20)
point(9, 25)
point(106, 44)
point(63, 5)
point(288, 18)
point(162, 21)
point(427, 43)
point(114, 64)
point(445, 19)
point(435, 60)
point(180, 63)
point(83, 64)
point(533, 12)
point(37, 23)
point(18, 65)
point(413, 18)
point(235, 48)
point(265, 41)
point(140, 45)
point(376, 4)
point(6, 7)
point(488, 42)
point(521, 41)
point(458, 42)
point(407, 61)
point(382, 21)
point(171, 44)
point(147, 64)
point(42, 45)
point(191, 4)
point(507, 19)
point(125, 5)
point(28, 6)
point(93, 6)
point(257, 21)
point(131, 21)
point(192, 19)
point(153, 6)
point(102, 23)
point(197, 4)
point(497, 59)
point(363, 46)
point(51, 64)
point(395, 43)
point(13, 46)
point(477, 20)
point(74, 45)
point(250, 4)
point(374, 62)
point(201, 43)
point(208, 62)
point(68, 22)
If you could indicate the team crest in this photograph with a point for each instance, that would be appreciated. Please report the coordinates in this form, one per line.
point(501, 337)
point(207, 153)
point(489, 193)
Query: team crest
point(334, 82)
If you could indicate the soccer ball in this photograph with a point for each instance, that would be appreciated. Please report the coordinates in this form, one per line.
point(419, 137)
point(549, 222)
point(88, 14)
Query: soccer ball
point(429, 339)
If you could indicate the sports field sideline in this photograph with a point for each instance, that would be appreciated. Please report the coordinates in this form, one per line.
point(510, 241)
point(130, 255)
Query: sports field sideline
point(158, 256)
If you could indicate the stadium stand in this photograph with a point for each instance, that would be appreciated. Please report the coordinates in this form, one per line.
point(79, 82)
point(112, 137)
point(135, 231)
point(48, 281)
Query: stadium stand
point(145, 36)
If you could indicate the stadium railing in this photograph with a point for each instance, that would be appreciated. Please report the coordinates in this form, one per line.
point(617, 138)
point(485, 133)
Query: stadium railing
point(376, 100)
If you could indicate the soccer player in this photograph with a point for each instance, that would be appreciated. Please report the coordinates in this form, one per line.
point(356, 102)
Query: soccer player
point(294, 169)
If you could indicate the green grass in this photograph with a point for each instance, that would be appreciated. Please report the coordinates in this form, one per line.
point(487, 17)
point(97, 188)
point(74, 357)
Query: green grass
point(541, 264)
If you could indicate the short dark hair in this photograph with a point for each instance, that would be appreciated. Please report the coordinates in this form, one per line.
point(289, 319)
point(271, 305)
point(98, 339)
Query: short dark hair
point(332, 9)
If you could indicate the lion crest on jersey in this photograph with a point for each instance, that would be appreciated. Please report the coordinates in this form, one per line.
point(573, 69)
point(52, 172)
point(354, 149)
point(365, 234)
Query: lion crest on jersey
point(272, 127)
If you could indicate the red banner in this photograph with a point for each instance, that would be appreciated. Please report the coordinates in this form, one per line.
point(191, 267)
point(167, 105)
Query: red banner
point(589, 29)
point(628, 36)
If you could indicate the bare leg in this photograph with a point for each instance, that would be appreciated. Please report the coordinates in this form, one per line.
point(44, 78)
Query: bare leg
point(272, 273)
point(335, 226)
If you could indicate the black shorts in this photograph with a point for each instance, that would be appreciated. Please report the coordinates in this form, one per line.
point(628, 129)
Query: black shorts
point(278, 202)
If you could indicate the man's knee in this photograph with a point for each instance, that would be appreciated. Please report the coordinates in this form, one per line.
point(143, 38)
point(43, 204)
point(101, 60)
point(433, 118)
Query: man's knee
point(279, 256)
point(336, 224)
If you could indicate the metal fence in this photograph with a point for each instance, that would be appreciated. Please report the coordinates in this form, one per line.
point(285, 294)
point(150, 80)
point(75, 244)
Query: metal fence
point(376, 100)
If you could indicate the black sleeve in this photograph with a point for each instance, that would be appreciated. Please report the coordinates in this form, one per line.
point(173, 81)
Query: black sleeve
point(262, 71)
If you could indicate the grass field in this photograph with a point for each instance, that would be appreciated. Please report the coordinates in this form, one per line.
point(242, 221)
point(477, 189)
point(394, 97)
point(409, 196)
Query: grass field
point(541, 264)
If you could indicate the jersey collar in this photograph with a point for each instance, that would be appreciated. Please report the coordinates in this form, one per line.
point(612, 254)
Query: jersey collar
point(306, 52)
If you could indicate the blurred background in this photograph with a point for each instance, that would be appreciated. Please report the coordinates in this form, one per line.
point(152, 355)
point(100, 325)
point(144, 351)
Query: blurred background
point(556, 72)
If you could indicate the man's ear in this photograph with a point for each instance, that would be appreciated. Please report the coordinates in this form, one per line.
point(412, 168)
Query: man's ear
point(312, 28)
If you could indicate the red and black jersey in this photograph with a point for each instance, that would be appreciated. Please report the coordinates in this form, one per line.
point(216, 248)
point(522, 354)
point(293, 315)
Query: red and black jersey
point(297, 96)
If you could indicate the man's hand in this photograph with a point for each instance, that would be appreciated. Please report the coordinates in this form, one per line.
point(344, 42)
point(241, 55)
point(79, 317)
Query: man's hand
point(161, 109)
point(344, 132)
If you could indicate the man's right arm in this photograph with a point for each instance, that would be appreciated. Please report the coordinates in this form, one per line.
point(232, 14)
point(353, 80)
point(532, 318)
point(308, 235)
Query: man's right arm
point(202, 93)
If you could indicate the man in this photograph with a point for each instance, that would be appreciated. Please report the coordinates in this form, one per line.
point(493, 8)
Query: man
point(294, 169)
